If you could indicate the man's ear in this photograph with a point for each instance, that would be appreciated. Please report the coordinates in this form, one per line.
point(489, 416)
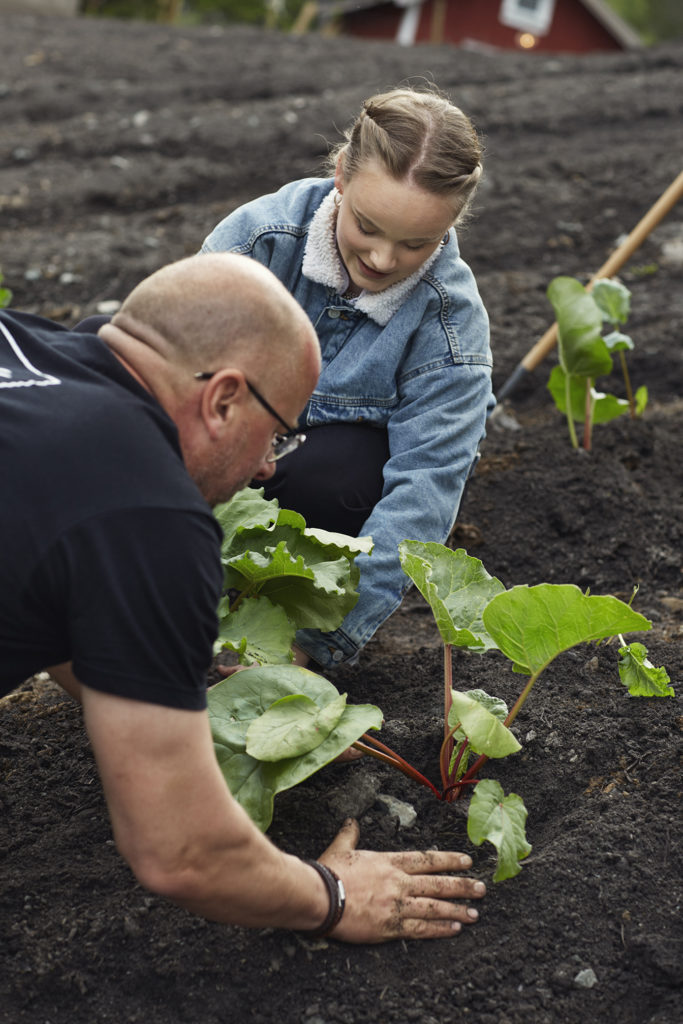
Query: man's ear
point(221, 399)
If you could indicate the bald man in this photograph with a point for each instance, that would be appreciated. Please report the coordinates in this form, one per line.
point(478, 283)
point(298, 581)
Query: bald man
point(113, 450)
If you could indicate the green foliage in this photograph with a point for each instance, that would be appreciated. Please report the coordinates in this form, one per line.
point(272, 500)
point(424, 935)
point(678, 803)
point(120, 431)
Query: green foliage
point(530, 626)
point(655, 20)
point(501, 820)
point(461, 748)
point(5, 294)
point(257, 12)
point(270, 559)
point(640, 675)
point(272, 727)
point(456, 587)
point(483, 728)
point(585, 354)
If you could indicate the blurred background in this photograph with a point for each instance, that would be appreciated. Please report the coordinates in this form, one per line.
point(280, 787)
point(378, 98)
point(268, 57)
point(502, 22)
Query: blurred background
point(653, 20)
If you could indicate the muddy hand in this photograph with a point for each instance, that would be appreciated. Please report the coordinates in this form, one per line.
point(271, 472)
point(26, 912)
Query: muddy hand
point(400, 895)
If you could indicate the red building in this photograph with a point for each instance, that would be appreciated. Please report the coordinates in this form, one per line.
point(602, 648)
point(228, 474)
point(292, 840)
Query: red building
point(557, 26)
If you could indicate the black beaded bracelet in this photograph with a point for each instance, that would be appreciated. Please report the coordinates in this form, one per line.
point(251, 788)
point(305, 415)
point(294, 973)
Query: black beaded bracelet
point(337, 894)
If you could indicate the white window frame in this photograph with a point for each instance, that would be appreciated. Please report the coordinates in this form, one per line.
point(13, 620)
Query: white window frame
point(528, 15)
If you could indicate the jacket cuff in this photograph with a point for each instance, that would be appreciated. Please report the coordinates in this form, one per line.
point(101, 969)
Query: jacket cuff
point(327, 649)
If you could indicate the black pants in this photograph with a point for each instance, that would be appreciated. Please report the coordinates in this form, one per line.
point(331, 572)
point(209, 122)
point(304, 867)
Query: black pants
point(335, 479)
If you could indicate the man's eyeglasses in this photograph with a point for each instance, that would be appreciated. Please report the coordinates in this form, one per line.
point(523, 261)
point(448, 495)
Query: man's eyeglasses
point(284, 443)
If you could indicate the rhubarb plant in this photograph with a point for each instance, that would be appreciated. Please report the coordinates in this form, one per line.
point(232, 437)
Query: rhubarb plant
point(274, 726)
point(277, 724)
point(530, 626)
point(585, 354)
point(280, 576)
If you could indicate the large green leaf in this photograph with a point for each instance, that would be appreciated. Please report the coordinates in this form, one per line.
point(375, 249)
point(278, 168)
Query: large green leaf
point(245, 509)
point(457, 588)
point(258, 631)
point(485, 732)
point(501, 820)
point(532, 625)
point(306, 572)
point(581, 349)
point(237, 701)
point(292, 726)
point(336, 543)
point(641, 677)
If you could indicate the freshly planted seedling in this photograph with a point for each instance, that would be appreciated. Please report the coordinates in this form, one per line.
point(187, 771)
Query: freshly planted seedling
point(584, 354)
point(614, 301)
point(531, 626)
point(638, 673)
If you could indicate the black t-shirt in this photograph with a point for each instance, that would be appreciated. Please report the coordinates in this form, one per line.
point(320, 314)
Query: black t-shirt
point(109, 555)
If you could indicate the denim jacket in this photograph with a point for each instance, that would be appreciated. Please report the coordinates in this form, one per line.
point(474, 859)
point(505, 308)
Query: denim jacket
point(414, 359)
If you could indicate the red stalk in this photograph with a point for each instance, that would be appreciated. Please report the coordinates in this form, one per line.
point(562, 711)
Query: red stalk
point(379, 750)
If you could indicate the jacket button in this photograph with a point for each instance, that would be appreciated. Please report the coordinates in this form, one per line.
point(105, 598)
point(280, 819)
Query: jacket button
point(333, 314)
point(337, 656)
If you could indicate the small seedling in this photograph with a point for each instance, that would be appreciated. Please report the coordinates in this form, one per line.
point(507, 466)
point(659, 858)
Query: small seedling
point(584, 354)
point(531, 626)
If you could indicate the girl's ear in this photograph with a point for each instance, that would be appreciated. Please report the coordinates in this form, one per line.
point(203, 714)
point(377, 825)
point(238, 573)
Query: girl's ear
point(339, 175)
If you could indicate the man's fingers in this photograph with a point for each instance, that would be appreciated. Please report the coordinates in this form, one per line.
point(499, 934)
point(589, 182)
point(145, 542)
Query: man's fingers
point(431, 861)
point(444, 887)
point(420, 909)
point(346, 838)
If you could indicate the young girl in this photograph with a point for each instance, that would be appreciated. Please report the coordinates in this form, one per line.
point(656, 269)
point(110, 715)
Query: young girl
point(371, 254)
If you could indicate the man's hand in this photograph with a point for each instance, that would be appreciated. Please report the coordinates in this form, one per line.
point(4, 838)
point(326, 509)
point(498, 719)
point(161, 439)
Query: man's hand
point(399, 895)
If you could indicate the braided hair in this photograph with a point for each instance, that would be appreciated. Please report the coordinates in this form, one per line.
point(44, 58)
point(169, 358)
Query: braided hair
point(417, 136)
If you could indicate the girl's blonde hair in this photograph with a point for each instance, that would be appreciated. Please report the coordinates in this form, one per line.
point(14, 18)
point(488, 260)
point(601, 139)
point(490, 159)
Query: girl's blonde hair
point(419, 137)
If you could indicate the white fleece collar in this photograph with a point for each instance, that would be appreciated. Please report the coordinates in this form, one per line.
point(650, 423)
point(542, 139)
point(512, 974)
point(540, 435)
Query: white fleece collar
point(322, 264)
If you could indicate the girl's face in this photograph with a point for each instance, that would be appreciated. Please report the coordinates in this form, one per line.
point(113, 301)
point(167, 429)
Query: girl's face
point(386, 229)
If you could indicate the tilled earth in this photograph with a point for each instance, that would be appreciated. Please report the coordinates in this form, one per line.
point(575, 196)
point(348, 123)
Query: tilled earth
point(121, 145)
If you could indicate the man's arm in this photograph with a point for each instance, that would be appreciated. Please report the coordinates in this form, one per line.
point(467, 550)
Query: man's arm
point(185, 837)
point(63, 674)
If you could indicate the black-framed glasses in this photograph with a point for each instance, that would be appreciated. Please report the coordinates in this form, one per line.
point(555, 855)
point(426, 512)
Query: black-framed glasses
point(283, 443)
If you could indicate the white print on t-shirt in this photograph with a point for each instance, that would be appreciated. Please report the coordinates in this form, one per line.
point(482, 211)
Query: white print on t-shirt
point(16, 371)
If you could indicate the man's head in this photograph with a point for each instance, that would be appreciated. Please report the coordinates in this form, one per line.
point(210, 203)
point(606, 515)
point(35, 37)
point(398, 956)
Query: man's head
point(229, 319)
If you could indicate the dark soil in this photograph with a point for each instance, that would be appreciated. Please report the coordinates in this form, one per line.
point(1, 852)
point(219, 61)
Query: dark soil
point(121, 145)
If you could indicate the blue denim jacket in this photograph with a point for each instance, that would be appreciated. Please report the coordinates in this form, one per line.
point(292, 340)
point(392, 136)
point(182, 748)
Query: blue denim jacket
point(419, 366)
